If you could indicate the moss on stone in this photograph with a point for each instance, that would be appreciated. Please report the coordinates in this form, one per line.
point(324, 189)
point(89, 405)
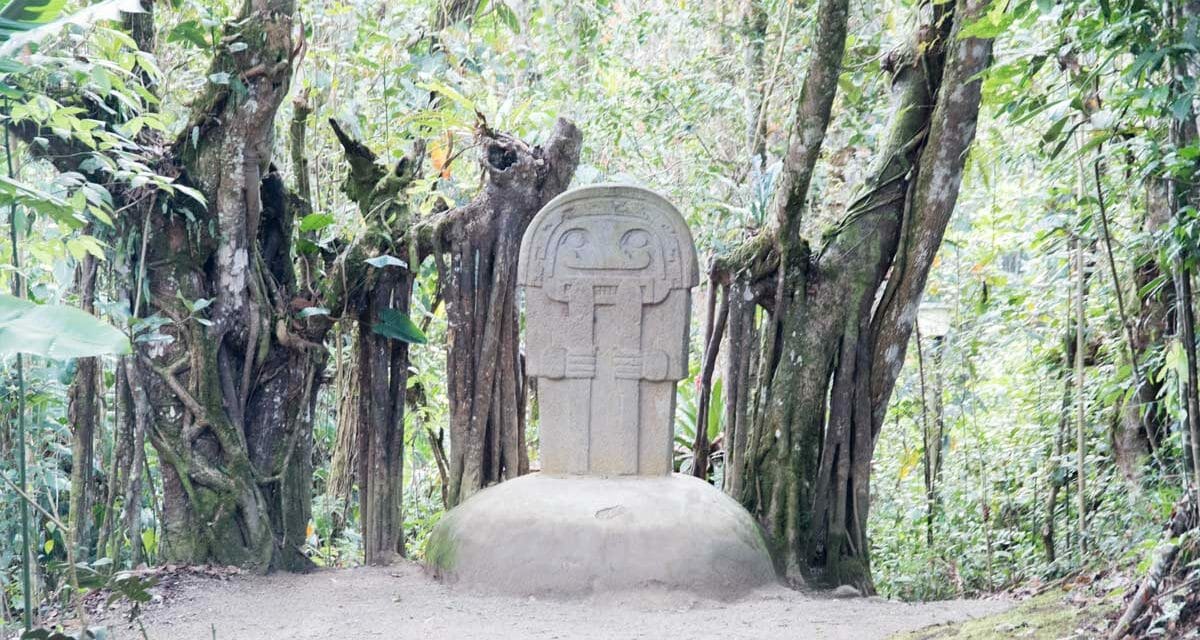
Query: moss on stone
point(1044, 617)
point(440, 548)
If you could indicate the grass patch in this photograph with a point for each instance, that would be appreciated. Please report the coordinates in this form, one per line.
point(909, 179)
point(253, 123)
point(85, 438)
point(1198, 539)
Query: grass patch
point(1050, 616)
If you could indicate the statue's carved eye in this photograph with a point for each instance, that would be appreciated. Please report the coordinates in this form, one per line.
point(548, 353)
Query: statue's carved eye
point(575, 238)
point(635, 239)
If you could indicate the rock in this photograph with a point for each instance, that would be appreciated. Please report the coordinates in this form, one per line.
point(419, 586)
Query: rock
point(539, 535)
point(846, 591)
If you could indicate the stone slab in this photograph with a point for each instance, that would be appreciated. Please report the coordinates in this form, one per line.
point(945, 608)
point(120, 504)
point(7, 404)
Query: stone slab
point(607, 272)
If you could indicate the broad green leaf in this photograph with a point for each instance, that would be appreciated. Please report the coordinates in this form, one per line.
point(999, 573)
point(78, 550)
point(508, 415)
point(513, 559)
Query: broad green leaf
point(191, 32)
point(36, 19)
point(32, 11)
point(55, 331)
point(315, 221)
point(398, 326)
point(991, 24)
point(24, 194)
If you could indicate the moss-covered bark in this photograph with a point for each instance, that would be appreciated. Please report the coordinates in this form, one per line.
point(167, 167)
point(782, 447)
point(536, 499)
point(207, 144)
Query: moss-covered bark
point(230, 388)
point(226, 366)
point(372, 431)
point(839, 316)
point(481, 241)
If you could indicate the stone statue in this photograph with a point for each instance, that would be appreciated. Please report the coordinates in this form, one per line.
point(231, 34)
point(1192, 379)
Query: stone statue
point(607, 275)
point(607, 272)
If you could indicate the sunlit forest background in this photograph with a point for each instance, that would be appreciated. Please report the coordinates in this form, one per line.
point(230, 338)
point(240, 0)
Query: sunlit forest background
point(1002, 414)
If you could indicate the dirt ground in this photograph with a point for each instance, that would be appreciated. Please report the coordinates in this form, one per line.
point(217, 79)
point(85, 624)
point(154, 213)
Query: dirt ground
point(403, 602)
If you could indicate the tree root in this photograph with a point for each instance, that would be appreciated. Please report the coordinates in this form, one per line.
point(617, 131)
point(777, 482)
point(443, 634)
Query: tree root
point(1184, 525)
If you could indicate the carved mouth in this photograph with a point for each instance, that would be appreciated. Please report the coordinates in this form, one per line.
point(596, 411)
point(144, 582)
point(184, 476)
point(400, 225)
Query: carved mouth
point(628, 262)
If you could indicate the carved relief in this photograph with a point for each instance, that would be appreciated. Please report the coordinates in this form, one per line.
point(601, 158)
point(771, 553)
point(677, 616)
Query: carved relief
point(607, 272)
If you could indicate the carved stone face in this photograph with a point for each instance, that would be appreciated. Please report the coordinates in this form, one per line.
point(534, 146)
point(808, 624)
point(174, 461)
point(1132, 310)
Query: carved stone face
point(607, 271)
point(606, 247)
point(609, 236)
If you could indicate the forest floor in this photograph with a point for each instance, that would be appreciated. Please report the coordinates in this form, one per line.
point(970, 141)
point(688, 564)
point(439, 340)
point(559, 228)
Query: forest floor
point(404, 602)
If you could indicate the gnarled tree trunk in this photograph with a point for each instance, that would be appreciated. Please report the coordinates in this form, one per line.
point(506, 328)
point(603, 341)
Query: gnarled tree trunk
point(376, 435)
point(231, 388)
point(840, 315)
point(486, 382)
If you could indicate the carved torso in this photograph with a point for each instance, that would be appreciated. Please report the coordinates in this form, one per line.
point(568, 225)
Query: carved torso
point(607, 272)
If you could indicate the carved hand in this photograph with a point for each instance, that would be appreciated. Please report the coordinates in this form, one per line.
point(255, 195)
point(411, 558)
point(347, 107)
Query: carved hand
point(636, 365)
point(580, 364)
point(628, 364)
point(556, 363)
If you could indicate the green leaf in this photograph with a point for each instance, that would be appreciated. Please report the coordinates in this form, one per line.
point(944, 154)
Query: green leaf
point(35, 19)
point(315, 221)
point(307, 247)
point(1055, 129)
point(508, 17)
point(37, 11)
point(55, 331)
point(27, 195)
point(398, 326)
point(436, 86)
point(84, 245)
point(991, 24)
point(191, 32)
point(194, 194)
point(716, 410)
point(149, 540)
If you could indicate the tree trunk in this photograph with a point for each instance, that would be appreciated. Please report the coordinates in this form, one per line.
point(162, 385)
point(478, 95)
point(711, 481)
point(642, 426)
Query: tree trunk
point(841, 316)
point(1080, 391)
point(383, 375)
point(344, 461)
point(716, 318)
point(1182, 194)
point(933, 427)
point(371, 434)
point(754, 30)
point(231, 387)
point(141, 417)
point(740, 363)
point(1187, 336)
point(1141, 424)
point(220, 373)
point(1053, 480)
point(486, 383)
point(83, 415)
point(782, 453)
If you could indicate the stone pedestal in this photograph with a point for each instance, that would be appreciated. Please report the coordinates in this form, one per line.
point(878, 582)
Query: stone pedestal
point(607, 273)
point(573, 535)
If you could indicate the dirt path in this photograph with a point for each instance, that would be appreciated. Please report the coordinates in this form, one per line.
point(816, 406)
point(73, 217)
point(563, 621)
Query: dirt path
point(402, 602)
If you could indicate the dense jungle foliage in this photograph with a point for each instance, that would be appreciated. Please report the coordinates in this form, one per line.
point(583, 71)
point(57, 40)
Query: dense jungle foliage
point(237, 233)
